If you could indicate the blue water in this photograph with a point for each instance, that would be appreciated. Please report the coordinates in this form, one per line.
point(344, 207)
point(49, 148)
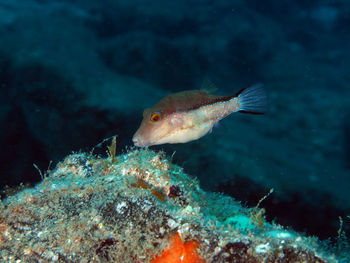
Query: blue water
point(75, 72)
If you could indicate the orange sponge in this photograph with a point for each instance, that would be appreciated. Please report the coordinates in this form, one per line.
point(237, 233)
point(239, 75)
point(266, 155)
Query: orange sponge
point(180, 252)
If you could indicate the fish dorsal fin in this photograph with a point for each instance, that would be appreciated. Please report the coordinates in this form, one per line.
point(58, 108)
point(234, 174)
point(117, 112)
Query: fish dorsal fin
point(208, 86)
point(181, 101)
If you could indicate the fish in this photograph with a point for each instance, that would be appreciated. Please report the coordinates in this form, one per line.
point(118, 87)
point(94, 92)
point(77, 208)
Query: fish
point(189, 115)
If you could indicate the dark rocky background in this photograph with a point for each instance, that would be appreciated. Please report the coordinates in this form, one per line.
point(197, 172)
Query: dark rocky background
point(75, 72)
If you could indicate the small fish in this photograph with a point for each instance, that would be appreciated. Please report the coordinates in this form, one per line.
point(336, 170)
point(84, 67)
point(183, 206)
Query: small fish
point(189, 115)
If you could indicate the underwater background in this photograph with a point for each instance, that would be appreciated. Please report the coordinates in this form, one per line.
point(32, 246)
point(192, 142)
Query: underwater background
point(73, 73)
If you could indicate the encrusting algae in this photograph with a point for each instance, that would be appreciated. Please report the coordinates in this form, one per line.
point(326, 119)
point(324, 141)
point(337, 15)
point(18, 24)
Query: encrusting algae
point(180, 252)
point(138, 207)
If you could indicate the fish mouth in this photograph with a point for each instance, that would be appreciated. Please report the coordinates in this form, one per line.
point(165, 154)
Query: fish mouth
point(137, 140)
point(141, 141)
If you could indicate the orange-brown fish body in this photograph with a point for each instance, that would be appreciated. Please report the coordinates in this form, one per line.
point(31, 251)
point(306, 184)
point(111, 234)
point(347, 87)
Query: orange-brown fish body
point(189, 115)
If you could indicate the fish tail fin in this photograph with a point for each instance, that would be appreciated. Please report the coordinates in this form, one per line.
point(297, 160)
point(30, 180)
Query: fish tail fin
point(253, 100)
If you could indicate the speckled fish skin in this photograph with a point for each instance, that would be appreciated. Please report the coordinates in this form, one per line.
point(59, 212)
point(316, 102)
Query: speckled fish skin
point(189, 115)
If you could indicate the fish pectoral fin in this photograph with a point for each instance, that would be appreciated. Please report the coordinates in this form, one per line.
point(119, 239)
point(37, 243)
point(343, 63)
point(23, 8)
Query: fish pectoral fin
point(177, 121)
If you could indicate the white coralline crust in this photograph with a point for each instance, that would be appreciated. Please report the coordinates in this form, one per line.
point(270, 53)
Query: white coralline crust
point(262, 248)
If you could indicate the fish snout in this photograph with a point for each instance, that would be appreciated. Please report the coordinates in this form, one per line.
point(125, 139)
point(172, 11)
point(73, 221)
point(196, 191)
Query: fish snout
point(137, 140)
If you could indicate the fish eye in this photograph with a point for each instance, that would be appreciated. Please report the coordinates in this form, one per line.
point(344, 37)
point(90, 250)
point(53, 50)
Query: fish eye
point(155, 116)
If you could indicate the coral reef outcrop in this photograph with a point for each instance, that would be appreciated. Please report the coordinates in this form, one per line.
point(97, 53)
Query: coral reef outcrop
point(138, 207)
